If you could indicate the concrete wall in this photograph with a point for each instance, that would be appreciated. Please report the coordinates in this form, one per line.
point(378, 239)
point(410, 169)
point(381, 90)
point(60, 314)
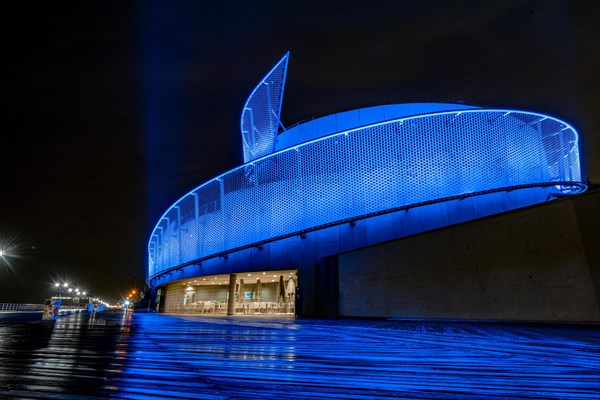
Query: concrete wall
point(541, 263)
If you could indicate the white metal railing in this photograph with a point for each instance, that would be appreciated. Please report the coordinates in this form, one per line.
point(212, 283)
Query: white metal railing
point(20, 307)
point(35, 307)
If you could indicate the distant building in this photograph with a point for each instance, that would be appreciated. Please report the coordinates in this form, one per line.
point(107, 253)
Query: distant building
point(267, 237)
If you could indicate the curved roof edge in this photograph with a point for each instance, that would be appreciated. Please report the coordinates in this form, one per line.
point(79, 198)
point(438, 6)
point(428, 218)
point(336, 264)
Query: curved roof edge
point(333, 123)
point(462, 107)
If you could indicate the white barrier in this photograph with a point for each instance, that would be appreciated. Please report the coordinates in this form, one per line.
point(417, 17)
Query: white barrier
point(20, 307)
point(33, 307)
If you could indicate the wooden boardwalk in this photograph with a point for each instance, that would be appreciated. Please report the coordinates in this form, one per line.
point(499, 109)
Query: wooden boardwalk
point(145, 356)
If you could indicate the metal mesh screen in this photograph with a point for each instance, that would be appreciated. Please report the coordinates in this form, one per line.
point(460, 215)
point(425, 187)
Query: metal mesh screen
point(260, 115)
point(365, 170)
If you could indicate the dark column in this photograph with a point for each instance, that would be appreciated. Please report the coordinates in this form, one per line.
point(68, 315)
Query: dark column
point(161, 293)
point(231, 301)
point(327, 287)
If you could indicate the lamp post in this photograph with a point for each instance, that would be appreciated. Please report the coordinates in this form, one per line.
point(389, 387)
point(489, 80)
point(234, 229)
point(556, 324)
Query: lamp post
point(78, 292)
point(87, 297)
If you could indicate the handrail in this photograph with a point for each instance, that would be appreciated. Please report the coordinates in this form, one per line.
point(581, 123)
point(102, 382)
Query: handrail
point(20, 307)
point(33, 307)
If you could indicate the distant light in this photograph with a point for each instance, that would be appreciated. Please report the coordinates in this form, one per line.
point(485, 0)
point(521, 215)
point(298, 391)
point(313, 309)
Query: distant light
point(126, 302)
point(84, 293)
point(57, 284)
point(65, 284)
point(1, 253)
point(70, 289)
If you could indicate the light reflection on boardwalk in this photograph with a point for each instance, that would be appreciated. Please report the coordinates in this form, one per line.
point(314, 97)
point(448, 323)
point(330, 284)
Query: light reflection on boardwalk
point(194, 357)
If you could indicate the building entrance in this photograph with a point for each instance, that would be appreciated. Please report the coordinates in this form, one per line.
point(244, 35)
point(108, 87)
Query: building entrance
point(254, 293)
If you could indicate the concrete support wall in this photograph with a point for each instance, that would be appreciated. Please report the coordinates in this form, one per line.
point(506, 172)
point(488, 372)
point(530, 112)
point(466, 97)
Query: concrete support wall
point(535, 264)
point(587, 209)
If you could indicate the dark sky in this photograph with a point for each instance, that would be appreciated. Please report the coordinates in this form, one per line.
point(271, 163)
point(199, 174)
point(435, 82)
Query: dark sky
point(112, 110)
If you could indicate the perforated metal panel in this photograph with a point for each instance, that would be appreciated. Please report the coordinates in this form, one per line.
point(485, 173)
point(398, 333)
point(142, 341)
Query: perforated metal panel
point(260, 115)
point(366, 170)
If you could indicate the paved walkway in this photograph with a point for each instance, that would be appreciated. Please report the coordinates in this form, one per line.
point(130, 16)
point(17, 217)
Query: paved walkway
point(193, 357)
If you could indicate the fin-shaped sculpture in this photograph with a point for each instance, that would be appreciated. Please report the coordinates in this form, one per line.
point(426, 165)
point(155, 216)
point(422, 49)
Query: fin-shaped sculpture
point(260, 115)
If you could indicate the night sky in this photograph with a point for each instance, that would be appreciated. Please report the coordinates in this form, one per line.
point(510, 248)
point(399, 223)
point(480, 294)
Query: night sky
point(112, 110)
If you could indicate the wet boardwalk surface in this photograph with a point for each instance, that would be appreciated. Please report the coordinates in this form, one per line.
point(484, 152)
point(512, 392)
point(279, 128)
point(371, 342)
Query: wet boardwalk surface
point(143, 356)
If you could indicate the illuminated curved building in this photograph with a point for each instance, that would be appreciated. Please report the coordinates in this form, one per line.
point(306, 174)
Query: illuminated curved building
point(308, 194)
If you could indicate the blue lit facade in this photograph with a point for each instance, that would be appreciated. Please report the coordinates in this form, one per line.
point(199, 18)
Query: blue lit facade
point(357, 178)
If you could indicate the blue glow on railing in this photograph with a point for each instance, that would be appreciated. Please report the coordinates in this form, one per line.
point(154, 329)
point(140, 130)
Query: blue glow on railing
point(260, 115)
point(365, 170)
